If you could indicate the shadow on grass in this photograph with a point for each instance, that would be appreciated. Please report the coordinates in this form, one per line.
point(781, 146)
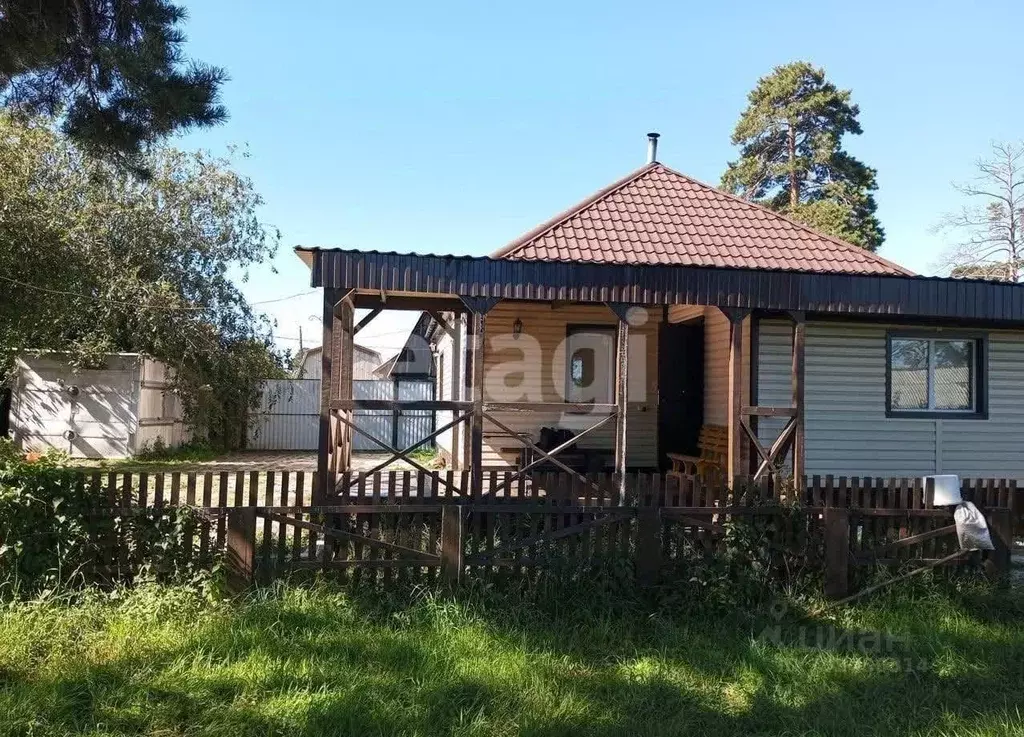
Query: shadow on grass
point(320, 662)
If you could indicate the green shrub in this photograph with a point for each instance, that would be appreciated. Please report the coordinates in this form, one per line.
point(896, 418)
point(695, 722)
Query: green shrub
point(56, 531)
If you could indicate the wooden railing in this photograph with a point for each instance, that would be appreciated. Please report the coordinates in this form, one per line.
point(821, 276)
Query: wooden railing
point(420, 525)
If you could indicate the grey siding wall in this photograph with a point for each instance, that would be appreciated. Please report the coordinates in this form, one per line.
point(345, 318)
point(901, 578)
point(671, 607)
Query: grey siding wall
point(846, 428)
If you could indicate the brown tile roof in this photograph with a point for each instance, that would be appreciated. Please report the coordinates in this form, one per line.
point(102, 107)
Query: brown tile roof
point(658, 216)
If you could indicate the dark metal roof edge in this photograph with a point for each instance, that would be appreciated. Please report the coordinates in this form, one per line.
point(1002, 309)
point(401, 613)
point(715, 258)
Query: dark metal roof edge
point(862, 294)
point(606, 264)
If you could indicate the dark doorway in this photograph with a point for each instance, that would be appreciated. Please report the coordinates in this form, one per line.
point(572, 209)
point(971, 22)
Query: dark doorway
point(681, 387)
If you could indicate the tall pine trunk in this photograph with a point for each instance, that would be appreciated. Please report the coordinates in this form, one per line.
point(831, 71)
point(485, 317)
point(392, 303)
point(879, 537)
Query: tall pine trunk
point(794, 182)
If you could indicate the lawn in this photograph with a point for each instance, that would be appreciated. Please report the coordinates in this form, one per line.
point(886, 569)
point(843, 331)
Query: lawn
point(316, 660)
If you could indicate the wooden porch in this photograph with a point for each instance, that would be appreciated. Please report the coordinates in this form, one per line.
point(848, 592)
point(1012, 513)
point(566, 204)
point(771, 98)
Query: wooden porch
point(749, 454)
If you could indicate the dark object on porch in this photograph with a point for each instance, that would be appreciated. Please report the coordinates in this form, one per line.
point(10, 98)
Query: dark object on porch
point(711, 463)
point(584, 460)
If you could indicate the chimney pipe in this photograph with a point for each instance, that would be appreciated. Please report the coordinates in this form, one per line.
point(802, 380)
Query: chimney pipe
point(652, 147)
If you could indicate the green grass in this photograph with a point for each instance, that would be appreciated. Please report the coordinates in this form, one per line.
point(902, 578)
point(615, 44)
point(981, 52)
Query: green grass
point(318, 661)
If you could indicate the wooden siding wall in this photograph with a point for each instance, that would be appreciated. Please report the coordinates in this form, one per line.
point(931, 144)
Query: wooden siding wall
point(846, 427)
point(544, 381)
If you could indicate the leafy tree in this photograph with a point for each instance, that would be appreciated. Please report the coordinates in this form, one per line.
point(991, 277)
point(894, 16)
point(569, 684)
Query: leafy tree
point(95, 260)
point(114, 70)
point(987, 235)
point(791, 156)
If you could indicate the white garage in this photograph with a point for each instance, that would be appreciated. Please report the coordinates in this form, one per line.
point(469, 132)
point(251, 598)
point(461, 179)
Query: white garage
point(111, 412)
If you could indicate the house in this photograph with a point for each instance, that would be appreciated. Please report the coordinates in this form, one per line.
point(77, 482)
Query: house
point(416, 359)
point(364, 362)
point(659, 305)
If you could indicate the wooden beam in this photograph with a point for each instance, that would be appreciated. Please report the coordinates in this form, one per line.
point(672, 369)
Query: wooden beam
point(480, 305)
point(345, 356)
point(837, 551)
point(458, 461)
point(406, 451)
point(734, 462)
point(396, 453)
point(768, 412)
point(735, 314)
point(399, 404)
point(576, 408)
point(470, 348)
point(755, 372)
point(398, 550)
point(477, 428)
point(374, 300)
point(778, 449)
point(367, 319)
point(621, 402)
point(325, 441)
point(441, 322)
point(798, 370)
point(451, 544)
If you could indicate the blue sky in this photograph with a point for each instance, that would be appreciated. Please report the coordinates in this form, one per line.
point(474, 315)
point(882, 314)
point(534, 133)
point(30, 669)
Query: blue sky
point(453, 127)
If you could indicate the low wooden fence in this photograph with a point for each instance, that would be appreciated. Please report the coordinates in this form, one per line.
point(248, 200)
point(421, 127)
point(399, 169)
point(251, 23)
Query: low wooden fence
point(410, 524)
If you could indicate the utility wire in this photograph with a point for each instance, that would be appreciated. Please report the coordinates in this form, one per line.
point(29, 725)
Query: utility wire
point(65, 293)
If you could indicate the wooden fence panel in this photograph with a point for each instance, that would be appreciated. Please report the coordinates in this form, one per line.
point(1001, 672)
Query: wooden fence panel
point(393, 525)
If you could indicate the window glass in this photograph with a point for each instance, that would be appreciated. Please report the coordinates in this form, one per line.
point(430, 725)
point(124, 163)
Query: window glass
point(590, 364)
point(582, 367)
point(908, 362)
point(953, 374)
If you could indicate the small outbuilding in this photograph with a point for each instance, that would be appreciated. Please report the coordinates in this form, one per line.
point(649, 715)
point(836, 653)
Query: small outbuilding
point(113, 411)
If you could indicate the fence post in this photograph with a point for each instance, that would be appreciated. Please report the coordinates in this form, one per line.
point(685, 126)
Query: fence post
point(240, 555)
point(837, 552)
point(648, 538)
point(451, 543)
point(1000, 524)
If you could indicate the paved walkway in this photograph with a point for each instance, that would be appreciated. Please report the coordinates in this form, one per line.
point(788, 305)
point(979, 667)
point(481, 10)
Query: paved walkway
point(285, 460)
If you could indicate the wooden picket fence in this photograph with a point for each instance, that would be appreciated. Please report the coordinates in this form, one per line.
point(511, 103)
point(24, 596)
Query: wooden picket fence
point(402, 524)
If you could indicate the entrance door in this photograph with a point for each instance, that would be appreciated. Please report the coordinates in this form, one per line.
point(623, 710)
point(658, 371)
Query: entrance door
point(681, 385)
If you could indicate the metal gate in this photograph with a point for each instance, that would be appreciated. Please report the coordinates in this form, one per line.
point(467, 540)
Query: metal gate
point(380, 423)
point(288, 417)
point(289, 414)
point(416, 424)
point(397, 428)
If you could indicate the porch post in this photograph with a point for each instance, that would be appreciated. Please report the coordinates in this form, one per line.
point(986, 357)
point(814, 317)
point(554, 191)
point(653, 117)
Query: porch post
point(478, 308)
point(468, 357)
point(344, 355)
point(457, 385)
point(799, 453)
point(325, 437)
point(621, 392)
point(477, 431)
point(734, 462)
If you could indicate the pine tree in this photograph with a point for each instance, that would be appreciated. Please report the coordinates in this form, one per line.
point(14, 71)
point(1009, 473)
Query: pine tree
point(791, 156)
point(113, 70)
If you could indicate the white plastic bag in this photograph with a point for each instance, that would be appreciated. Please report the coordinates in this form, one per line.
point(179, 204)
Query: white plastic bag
point(971, 528)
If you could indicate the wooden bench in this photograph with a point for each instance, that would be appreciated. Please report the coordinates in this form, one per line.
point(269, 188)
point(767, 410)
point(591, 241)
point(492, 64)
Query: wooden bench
point(713, 445)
